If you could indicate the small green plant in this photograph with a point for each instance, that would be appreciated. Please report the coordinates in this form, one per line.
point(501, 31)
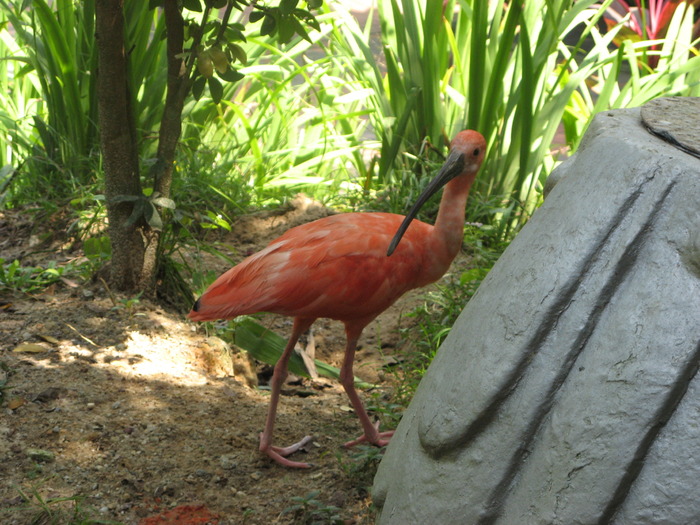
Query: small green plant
point(28, 279)
point(360, 465)
point(128, 304)
point(385, 407)
point(248, 513)
point(35, 472)
point(308, 510)
point(97, 250)
point(41, 510)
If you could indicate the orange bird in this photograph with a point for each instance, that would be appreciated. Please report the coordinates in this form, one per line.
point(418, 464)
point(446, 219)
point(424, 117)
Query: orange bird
point(348, 267)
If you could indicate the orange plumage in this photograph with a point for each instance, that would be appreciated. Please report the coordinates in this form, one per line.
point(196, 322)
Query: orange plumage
point(335, 267)
point(338, 267)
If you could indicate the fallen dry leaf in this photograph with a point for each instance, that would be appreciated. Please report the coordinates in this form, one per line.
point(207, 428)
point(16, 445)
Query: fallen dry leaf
point(48, 339)
point(69, 282)
point(16, 402)
point(30, 348)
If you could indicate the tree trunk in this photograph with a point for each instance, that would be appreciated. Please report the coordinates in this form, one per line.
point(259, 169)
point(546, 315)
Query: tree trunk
point(119, 149)
point(171, 123)
point(135, 246)
point(177, 89)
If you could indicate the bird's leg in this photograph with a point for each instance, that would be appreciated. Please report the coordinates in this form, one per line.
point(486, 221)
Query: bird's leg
point(278, 377)
point(371, 430)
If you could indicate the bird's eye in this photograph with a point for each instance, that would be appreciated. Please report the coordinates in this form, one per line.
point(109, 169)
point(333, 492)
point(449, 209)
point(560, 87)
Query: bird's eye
point(476, 152)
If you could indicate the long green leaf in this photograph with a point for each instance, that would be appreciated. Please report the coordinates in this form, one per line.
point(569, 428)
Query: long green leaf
point(266, 346)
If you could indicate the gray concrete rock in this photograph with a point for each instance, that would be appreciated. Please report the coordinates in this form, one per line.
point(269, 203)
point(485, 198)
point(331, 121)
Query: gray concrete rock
point(567, 391)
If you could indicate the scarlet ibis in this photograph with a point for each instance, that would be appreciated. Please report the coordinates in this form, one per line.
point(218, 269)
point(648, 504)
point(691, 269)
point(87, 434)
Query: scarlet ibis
point(347, 267)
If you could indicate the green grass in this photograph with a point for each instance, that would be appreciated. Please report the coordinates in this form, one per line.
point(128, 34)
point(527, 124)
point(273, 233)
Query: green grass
point(625, 79)
point(37, 509)
point(484, 66)
point(360, 465)
point(49, 65)
point(309, 510)
point(28, 279)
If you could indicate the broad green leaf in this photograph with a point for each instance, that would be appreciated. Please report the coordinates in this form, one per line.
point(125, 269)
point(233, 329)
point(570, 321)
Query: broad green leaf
point(256, 15)
point(238, 53)
point(152, 216)
point(164, 202)
point(216, 89)
point(138, 212)
point(269, 25)
point(198, 87)
point(286, 28)
point(287, 6)
point(266, 346)
point(192, 5)
point(232, 75)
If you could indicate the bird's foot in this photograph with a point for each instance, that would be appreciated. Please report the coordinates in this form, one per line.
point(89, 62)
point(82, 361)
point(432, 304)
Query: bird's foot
point(375, 438)
point(279, 454)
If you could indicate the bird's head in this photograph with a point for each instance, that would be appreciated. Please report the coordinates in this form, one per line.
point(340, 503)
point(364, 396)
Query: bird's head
point(467, 152)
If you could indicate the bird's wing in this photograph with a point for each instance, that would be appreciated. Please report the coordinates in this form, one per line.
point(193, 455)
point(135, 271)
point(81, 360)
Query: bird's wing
point(338, 267)
point(335, 267)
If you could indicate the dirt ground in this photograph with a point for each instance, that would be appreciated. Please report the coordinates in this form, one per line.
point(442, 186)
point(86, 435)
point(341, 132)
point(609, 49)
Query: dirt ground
point(136, 416)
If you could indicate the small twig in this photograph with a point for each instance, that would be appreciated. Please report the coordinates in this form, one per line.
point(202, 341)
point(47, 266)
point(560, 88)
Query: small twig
point(224, 23)
point(82, 336)
point(109, 292)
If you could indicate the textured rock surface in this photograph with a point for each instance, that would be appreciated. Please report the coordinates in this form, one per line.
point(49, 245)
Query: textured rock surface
point(567, 392)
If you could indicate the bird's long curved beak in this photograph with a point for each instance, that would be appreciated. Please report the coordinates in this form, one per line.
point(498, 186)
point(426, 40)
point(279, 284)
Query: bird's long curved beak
point(453, 166)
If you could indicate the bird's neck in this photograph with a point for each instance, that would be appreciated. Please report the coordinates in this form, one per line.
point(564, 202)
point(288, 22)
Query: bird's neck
point(449, 225)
